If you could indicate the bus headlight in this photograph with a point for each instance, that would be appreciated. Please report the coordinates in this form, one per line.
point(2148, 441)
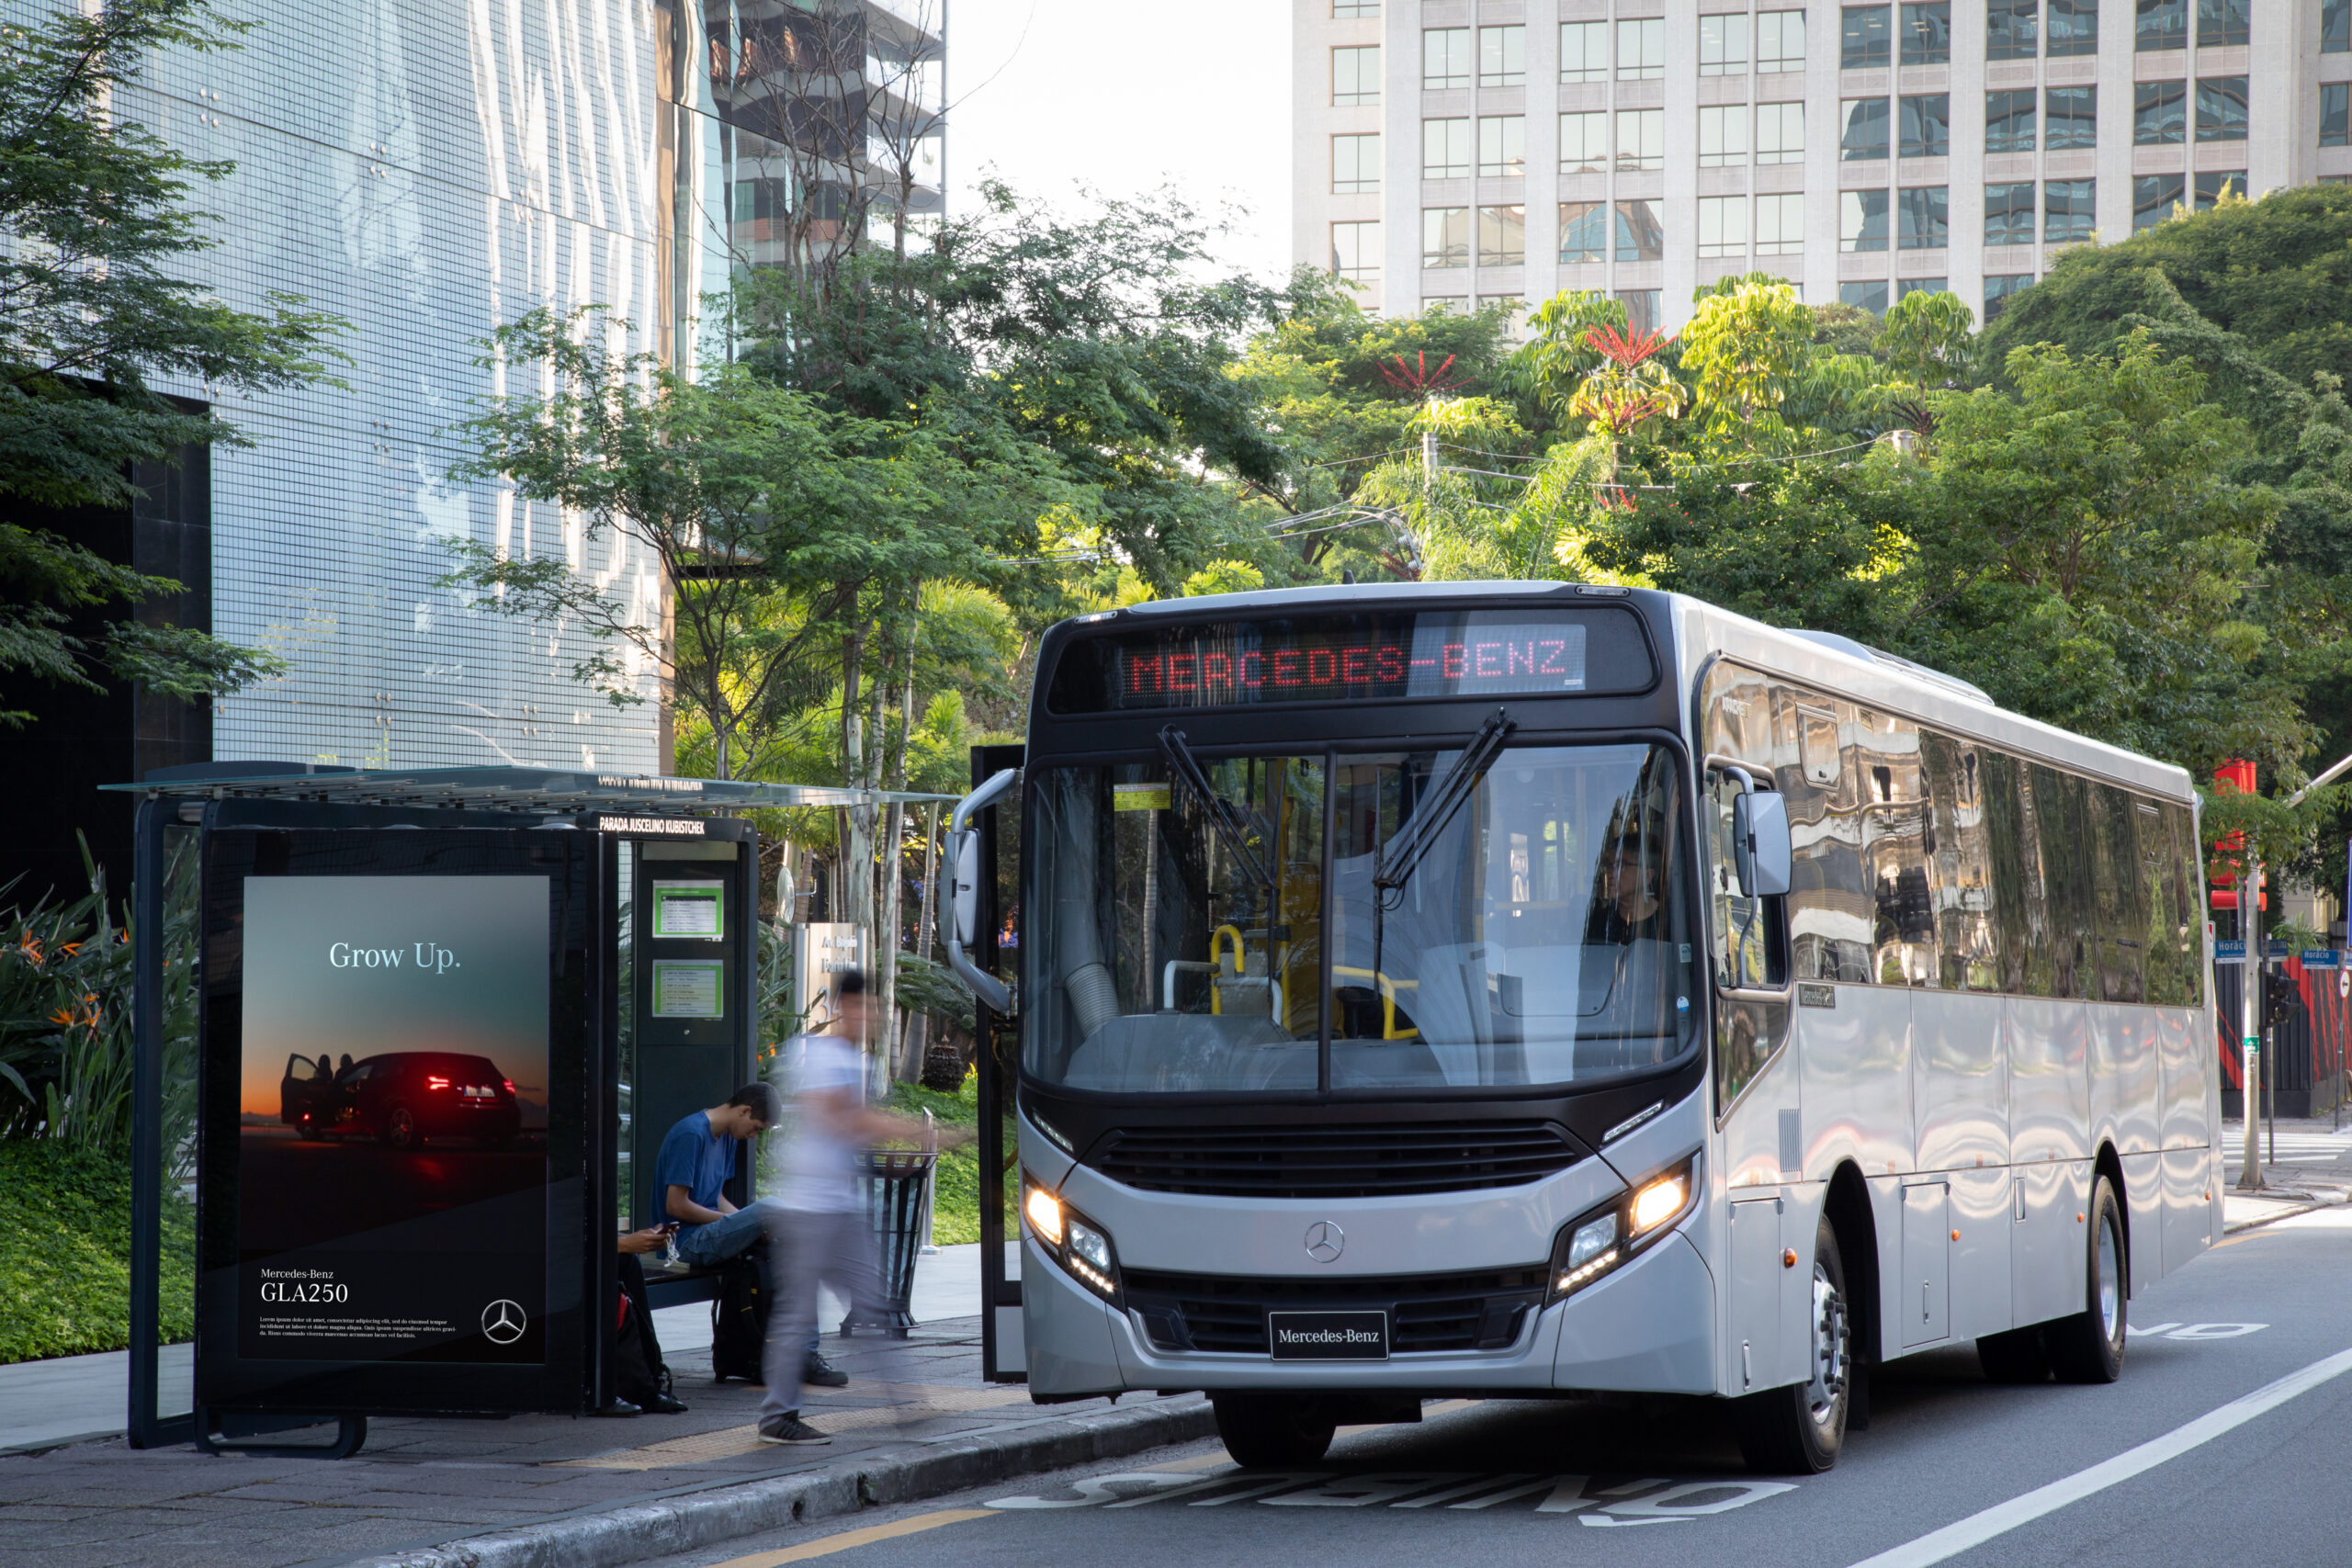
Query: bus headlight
point(1080, 1246)
point(1597, 1243)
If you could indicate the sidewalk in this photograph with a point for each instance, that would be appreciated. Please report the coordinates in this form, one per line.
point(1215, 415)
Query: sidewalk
point(2311, 1167)
point(538, 1489)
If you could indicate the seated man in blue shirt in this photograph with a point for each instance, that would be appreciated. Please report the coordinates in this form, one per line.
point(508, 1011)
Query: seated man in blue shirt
point(696, 1161)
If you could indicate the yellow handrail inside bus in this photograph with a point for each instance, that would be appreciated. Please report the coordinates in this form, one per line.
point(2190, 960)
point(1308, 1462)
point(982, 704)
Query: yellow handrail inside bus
point(1217, 949)
point(1388, 989)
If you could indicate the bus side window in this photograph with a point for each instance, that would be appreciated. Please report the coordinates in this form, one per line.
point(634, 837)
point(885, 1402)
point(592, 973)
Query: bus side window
point(2188, 908)
point(1829, 899)
point(2120, 905)
point(2167, 966)
point(2062, 823)
point(2021, 923)
point(1961, 867)
point(1749, 948)
point(1895, 834)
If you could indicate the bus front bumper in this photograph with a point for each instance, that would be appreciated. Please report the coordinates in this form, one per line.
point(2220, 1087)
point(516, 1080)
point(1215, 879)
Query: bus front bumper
point(1648, 1327)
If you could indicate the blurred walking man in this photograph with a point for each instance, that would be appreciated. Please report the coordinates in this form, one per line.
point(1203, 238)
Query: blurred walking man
point(817, 1219)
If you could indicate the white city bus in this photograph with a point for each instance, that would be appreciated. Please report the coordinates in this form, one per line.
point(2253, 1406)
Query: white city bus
point(1530, 990)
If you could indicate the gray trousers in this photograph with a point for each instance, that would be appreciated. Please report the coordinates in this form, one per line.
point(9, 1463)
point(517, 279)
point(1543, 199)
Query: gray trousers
point(834, 1249)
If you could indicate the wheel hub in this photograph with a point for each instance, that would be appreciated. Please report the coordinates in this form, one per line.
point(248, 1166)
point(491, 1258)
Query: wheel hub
point(1827, 1387)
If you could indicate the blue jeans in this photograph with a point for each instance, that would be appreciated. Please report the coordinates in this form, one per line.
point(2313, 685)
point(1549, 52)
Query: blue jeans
point(706, 1246)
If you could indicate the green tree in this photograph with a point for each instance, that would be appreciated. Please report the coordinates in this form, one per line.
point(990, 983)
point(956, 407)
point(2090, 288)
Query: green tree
point(92, 310)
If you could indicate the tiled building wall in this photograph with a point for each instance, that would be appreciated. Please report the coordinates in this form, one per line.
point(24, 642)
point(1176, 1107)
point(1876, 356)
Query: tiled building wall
point(425, 169)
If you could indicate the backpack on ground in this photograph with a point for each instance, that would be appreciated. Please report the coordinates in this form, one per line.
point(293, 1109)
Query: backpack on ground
point(739, 1320)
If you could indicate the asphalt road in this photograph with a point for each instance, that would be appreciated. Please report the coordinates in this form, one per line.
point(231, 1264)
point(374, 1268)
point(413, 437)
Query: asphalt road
point(2173, 1465)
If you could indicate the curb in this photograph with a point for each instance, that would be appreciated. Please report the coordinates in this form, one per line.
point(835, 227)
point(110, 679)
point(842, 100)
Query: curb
point(723, 1512)
point(2300, 1204)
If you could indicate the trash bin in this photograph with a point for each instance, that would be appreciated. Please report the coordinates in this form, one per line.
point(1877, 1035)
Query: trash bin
point(893, 1183)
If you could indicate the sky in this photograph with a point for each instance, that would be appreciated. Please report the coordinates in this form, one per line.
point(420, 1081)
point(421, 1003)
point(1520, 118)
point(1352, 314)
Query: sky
point(1124, 96)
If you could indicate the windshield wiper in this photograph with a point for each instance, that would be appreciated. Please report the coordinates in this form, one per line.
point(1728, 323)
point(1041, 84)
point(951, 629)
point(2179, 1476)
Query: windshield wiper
point(1226, 821)
point(1395, 867)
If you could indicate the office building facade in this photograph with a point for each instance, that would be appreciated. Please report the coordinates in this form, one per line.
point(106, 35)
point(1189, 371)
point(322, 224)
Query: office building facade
point(1462, 150)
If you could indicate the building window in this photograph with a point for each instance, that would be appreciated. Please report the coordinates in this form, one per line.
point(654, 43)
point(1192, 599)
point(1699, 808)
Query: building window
point(1457, 303)
point(1584, 231)
point(1722, 45)
point(1584, 143)
point(2221, 108)
point(1640, 236)
point(2220, 23)
point(1355, 251)
point(2009, 120)
point(1355, 164)
point(2211, 183)
point(1502, 146)
point(2336, 114)
point(1445, 236)
point(1780, 224)
point(2335, 26)
point(2159, 114)
point(1722, 135)
point(1870, 296)
point(1862, 219)
point(1641, 139)
point(1927, 33)
point(1926, 126)
point(2153, 198)
point(1502, 236)
point(1924, 217)
point(1445, 149)
point(2012, 29)
point(1641, 48)
point(1864, 139)
point(1867, 40)
point(1779, 133)
point(2073, 28)
point(1502, 56)
point(1643, 313)
point(1998, 291)
point(2067, 210)
point(1445, 59)
point(1584, 52)
point(1910, 286)
point(2070, 119)
point(1780, 41)
point(1355, 74)
point(2161, 24)
point(1723, 225)
point(2009, 214)
point(1355, 7)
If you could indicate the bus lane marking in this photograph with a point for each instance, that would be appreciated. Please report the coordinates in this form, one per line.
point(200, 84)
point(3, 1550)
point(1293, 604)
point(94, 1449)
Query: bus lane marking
point(1989, 1524)
point(1648, 1501)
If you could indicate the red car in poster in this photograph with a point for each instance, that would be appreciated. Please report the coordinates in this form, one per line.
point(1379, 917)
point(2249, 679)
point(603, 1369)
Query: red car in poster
point(403, 1097)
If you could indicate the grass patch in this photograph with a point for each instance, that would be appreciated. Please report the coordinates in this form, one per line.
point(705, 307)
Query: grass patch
point(65, 1253)
point(956, 1216)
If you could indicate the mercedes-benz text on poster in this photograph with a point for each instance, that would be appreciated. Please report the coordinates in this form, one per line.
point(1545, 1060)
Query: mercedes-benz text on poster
point(392, 1141)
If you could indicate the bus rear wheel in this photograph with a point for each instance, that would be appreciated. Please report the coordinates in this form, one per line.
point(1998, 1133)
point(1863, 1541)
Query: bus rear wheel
point(2088, 1345)
point(1798, 1430)
point(1273, 1431)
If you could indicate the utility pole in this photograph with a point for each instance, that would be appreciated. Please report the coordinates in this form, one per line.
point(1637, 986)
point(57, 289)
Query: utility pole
point(2250, 1009)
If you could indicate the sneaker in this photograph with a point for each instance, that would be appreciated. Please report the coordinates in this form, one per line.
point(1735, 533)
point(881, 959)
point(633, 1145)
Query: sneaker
point(790, 1430)
point(822, 1373)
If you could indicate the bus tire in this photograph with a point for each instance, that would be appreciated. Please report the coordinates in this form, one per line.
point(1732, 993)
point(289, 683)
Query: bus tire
point(2087, 1346)
point(1273, 1431)
point(1799, 1429)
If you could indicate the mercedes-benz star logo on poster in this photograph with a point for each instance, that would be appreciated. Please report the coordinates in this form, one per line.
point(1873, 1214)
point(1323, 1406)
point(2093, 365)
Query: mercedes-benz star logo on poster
point(1325, 1241)
point(502, 1322)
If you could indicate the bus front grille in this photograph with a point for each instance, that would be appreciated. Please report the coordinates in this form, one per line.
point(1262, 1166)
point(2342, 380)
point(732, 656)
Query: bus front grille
point(1333, 1162)
point(1480, 1310)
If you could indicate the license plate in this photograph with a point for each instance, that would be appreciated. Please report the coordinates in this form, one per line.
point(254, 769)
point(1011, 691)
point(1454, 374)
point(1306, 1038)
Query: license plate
point(1328, 1335)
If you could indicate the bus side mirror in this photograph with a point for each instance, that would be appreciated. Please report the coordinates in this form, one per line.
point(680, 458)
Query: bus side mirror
point(963, 884)
point(1760, 847)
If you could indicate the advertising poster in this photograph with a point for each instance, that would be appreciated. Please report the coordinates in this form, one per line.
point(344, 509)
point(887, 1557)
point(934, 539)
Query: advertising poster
point(392, 1098)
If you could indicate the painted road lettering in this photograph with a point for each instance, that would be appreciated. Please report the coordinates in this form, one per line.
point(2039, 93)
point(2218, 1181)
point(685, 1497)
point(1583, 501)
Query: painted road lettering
point(1652, 1500)
point(2194, 1331)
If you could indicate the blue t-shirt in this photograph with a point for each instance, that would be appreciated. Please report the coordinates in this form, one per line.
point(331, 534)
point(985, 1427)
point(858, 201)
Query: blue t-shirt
point(694, 1158)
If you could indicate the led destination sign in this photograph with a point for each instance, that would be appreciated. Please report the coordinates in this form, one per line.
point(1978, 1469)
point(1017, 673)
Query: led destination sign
point(1353, 658)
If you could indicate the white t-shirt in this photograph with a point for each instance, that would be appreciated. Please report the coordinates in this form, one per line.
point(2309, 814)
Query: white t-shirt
point(819, 1166)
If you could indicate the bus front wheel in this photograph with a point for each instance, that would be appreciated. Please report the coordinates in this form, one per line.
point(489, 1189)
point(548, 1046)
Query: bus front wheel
point(1273, 1431)
point(1797, 1430)
point(2088, 1345)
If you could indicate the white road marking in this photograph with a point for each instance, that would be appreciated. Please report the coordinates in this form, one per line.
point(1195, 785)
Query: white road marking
point(2218, 1330)
point(1963, 1535)
point(1651, 1500)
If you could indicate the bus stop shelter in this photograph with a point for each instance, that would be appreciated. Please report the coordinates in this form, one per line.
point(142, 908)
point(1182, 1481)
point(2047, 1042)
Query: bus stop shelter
point(406, 1041)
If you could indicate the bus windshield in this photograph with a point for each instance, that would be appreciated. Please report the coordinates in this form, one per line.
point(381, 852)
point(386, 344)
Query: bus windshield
point(1523, 925)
